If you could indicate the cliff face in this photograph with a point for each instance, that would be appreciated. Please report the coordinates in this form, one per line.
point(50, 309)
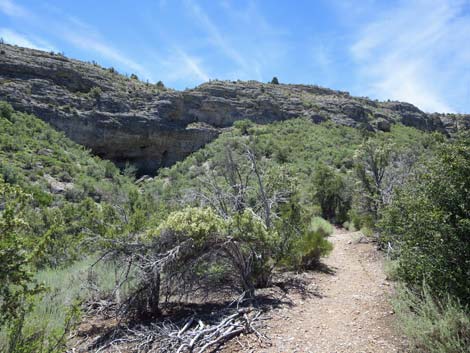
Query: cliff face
point(126, 120)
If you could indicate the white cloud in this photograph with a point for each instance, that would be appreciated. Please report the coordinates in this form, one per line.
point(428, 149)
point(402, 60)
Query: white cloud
point(86, 37)
point(416, 52)
point(322, 60)
point(71, 29)
point(88, 42)
point(253, 48)
point(9, 8)
point(15, 38)
point(215, 34)
point(249, 50)
point(179, 65)
point(193, 65)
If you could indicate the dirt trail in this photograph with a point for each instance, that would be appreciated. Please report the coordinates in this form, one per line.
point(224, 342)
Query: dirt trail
point(351, 312)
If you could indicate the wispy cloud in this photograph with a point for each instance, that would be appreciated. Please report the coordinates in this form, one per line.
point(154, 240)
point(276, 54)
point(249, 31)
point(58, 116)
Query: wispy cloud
point(11, 9)
point(23, 40)
point(416, 52)
point(86, 37)
point(177, 65)
point(193, 65)
point(244, 45)
point(215, 34)
point(88, 41)
point(71, 29)
point(254, 48)
point(322, 59)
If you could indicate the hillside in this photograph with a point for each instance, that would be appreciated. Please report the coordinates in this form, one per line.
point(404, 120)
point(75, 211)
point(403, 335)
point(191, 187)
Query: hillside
point(64, 179)
point(295, 149)
point(126, 120)
point(47, 164)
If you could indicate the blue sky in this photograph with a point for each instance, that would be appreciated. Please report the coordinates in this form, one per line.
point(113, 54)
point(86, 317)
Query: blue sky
point(415, 51)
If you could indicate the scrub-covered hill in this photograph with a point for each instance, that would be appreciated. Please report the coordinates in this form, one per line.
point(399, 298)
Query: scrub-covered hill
point(126, 120)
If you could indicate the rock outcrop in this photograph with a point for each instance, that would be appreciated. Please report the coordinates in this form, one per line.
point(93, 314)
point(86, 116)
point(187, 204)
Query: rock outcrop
point(126, 120)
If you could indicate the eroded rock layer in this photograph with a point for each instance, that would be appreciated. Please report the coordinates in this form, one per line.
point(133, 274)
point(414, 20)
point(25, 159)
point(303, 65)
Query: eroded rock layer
point(126, 120)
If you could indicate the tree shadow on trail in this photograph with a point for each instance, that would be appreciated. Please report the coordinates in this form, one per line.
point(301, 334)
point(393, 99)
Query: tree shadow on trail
point(303, 283)
point(324, 268)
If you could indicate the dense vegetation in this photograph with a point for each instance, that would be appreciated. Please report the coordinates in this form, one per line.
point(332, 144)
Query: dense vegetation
point(54, 199)
point(64, 181)
point(255, 202)
point(320, 159)
point(428, 228)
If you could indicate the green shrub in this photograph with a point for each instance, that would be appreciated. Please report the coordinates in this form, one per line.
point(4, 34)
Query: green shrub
point(359, 220)
point(129, 171)
point(349, 225)
point(243, 125)
point(282, 154)
point(75, 194)
point(372, 161)
point(38, 156)
point(54, 313)
point(6, 111)
point(244, 239)
point(95, 92)
point(322, 226)
point(431, 325)
point(307, 248)
point(331, 193)
point(429, 222)
point(9, 173)
point(199, 224)
point(110, 170)
point(23, 328)
point(257, 246)
point(32, 333)
point(40, 197)
point(368, 232)
point(17, 255)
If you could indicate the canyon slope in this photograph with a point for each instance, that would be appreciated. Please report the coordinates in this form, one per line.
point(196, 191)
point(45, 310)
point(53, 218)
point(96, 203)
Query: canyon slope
point(129, 121)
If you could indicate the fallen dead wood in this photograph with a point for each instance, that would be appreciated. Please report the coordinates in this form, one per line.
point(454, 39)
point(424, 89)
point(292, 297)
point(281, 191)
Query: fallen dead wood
point(192, 335)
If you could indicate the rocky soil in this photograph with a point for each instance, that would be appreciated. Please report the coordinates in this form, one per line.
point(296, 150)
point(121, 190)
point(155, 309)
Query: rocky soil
point(126, 120)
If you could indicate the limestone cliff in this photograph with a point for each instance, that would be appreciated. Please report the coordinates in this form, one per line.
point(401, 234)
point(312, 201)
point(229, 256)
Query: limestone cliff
point(126, 120)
